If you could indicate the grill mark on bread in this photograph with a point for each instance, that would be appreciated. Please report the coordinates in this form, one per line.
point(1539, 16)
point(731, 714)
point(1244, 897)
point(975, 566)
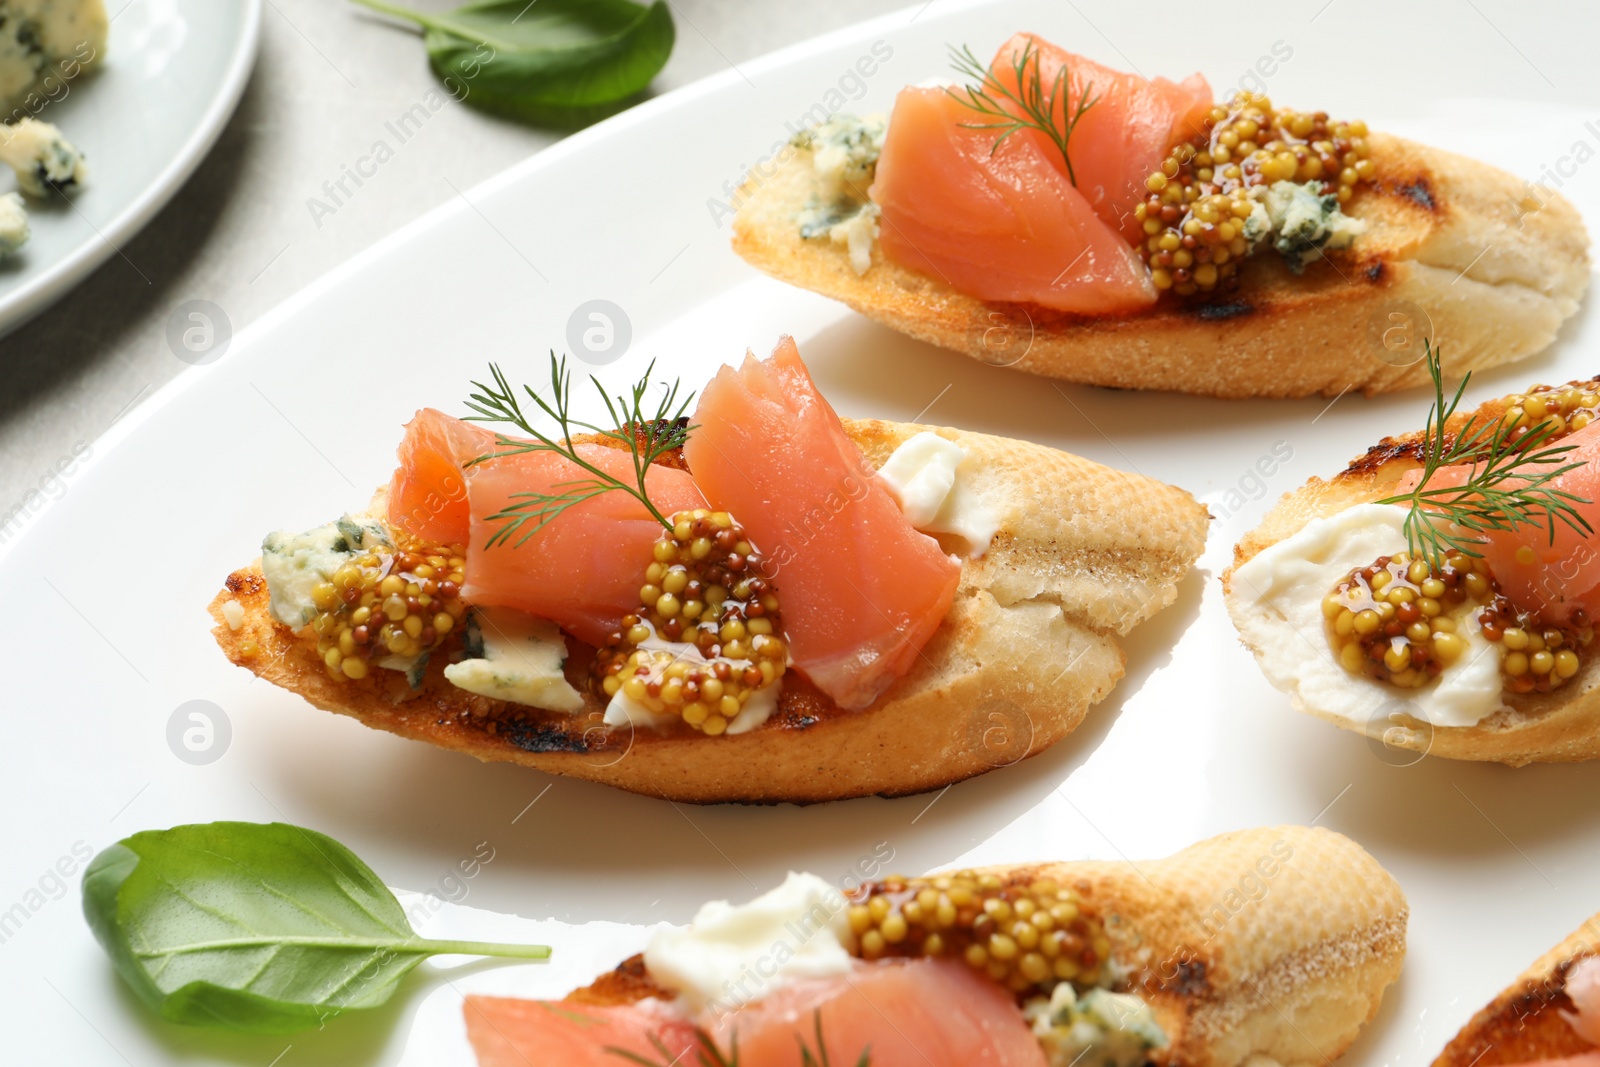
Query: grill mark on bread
point(1419, 192)
point(1408, 446)
point(541, 735)
point(1221, 311)
point(1385, 451)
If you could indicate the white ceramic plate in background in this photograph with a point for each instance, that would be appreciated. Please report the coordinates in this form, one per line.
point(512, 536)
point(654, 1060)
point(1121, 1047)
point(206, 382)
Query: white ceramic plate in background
point(105, 635)
point(173, 73)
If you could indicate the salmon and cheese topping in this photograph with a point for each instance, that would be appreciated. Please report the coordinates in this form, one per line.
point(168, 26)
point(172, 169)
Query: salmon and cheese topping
point(967, 968)
point(1054, 180)
point(1472, 580)
point(695, 561)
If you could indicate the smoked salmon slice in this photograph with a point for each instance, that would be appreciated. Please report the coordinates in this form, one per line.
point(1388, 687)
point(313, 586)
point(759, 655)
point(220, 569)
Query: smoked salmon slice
point(509, 1032)
point(1124, 136)
point(582, 570)
point(1563, 575)
point(907, 1013)
point(1007, 223)
point(998, 224)
point(862, 589)
point(428, 493)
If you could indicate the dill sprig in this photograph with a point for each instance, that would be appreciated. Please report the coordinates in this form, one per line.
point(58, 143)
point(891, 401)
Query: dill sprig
point(708, 1055)
point(1037, 107)
point(646, 436)
point(1509, 485)
point(820, 1057)
point(706, 1052)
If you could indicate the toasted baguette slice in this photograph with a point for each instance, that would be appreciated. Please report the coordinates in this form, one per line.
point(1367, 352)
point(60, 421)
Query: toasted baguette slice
point(1275, 942)
point(1524, 1023)
point(1562, 726)
point(1494, 267)
point(1084, 554)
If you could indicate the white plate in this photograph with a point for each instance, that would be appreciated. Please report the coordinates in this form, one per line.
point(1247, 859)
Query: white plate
point(105, 632)
point(173, 72)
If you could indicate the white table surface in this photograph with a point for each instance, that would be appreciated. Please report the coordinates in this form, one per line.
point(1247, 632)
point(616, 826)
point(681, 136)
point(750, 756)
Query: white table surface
point(240, 233)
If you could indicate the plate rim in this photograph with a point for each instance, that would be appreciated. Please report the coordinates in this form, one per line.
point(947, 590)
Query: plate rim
point(60, 277)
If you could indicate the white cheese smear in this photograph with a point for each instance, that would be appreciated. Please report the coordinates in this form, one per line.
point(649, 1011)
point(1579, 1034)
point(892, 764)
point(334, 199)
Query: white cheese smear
point(930, 477)
point(1276, 601)
point(732, 955)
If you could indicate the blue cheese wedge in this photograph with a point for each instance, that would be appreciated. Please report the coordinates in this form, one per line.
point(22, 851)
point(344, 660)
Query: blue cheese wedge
point(42, 157)
point(296, 563)
point(517, 658)
point(43, 45)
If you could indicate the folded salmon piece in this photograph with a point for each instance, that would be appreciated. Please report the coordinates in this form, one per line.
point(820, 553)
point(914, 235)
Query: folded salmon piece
point(1008, 222)
point(1001, 224)
point(1126, 133)
point(862, 589)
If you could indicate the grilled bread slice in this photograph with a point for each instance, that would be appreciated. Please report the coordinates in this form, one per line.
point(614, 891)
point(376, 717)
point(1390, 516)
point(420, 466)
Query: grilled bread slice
point(1275, 942)
point(1084, 554)
point(1525, 1024)
point(1455, 249)
point(1556, 727)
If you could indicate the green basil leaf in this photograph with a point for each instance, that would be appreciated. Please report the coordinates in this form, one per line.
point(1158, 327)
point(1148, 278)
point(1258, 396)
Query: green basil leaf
point(549, 61)
point(267, 928)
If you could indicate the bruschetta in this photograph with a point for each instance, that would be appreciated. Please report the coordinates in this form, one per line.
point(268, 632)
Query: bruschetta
point(1271, 945)
point(1549, 1015)
point(1049, 213)
point(1438, 593)
point(762, 603)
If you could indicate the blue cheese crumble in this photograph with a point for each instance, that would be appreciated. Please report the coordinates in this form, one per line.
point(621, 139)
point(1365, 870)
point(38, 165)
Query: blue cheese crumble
point(1300, 221)
point(296, 563)
point(42, 157)
point(1098, 1029)
point(517, 658)
point(844, 159)
point(13, 224)
point(43, 45)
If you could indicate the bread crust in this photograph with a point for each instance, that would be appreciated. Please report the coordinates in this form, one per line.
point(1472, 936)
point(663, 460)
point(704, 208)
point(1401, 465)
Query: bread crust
point(1524, 1023)
point(1494, 267)
point(1562, 726)
point(1084, 554)
point(1275, 942)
